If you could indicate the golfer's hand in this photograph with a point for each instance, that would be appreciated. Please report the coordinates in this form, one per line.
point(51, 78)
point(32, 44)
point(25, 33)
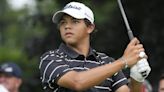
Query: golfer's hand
point(131, 53)
point(140, 70)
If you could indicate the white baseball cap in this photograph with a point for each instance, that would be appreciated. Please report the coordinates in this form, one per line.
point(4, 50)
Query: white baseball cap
point(76, 10)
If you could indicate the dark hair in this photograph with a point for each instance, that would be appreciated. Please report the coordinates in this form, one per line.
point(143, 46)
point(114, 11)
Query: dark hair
point(162, 77)
point(87, 22)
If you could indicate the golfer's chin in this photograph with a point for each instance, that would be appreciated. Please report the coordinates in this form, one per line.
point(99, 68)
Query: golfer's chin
point(70, 42)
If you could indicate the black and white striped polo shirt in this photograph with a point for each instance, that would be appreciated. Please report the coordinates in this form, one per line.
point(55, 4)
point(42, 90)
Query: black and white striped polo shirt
point(56, 63)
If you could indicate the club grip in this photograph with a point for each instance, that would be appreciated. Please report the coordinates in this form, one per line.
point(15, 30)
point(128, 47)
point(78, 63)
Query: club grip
point(130, 34)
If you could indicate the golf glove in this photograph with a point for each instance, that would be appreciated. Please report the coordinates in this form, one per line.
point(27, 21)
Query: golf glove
point(140, 70)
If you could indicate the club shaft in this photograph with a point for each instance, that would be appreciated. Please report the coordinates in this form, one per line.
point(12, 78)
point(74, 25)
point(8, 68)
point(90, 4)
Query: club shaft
point(130, 33)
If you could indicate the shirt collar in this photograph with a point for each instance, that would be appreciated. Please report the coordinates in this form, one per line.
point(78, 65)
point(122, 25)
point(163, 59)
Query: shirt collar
point(73, 54)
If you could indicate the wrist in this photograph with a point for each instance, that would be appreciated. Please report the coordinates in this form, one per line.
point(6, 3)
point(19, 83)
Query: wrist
point(122, 59)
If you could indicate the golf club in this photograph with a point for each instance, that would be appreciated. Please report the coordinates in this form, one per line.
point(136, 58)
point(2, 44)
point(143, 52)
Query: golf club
point(130, 33)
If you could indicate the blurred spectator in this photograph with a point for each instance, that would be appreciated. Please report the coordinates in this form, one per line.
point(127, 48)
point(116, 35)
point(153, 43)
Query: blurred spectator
point(161, 84)
point(10, 77)
point(147, 86)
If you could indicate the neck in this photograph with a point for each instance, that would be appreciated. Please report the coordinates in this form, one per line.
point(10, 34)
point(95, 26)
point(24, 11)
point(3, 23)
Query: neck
point(82, 47)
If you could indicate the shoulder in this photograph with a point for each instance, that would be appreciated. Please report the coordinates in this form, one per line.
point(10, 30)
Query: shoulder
point(51, 55)
point(48, 53)
point(105, 57)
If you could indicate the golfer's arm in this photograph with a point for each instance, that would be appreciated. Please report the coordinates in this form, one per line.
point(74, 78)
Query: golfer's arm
point(86, 79)
point(135, 86)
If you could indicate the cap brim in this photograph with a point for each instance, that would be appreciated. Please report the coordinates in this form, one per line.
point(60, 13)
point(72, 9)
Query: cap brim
point(72, 12)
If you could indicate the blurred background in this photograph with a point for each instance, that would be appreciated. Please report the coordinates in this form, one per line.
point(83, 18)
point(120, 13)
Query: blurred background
point(26, 32)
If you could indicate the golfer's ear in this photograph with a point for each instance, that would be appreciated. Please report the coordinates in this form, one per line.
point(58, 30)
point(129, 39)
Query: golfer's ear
point(91, 28)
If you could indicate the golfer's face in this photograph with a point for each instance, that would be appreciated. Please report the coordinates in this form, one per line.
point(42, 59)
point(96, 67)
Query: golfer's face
point(161, 86)
point(73, 30)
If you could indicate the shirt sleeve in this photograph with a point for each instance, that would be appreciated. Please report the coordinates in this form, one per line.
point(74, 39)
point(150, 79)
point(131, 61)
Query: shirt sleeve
point(119, 80)
point(52, 67)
